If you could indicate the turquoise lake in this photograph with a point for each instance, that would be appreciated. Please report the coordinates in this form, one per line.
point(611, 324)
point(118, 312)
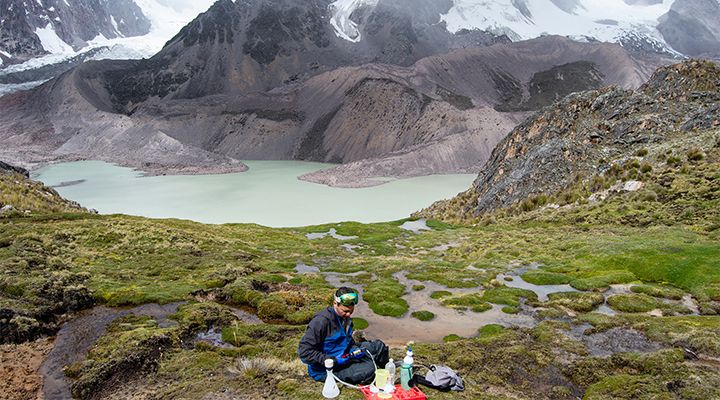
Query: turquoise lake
point(269, 194)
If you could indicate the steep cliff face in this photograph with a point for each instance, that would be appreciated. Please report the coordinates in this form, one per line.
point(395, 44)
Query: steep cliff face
point(32, 28)
point(587, 133)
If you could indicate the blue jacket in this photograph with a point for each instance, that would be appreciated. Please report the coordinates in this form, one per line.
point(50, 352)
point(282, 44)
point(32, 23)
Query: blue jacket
point(327, 336)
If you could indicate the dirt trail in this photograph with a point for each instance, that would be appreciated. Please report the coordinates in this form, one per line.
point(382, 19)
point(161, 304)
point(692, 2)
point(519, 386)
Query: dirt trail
point(19, 365)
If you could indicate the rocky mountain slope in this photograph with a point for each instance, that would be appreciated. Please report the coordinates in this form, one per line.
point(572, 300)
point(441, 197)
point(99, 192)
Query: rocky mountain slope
point(258, 45)
point(32, 28)
point(350, 32)
point(421, 118)
point(592, 139)
point(692, 27)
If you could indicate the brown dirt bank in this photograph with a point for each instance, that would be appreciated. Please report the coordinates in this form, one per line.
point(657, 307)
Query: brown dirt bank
point(19, 366)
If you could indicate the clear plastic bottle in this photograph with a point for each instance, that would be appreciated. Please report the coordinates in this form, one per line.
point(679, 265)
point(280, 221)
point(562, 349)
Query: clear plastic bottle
point(390, 386)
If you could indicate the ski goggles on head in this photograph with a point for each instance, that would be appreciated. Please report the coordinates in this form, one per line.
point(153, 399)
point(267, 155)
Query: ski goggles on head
point(347, 299)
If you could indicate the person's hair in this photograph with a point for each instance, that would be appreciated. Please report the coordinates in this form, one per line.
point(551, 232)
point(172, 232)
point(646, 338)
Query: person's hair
point(341, 291)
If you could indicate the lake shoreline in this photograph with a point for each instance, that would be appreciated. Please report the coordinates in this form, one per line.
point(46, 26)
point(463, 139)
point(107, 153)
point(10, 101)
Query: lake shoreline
point(268, 193)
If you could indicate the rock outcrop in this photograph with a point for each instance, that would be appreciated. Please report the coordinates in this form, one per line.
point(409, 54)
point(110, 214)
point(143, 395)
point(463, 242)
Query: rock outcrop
point(7, 168)
point(581, 135)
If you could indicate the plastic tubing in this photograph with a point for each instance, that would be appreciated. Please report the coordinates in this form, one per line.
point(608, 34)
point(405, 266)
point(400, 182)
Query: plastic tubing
point(353, 386)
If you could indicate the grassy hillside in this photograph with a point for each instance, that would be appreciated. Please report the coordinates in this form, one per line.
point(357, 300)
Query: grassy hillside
point(20, 195)
point(64, 262)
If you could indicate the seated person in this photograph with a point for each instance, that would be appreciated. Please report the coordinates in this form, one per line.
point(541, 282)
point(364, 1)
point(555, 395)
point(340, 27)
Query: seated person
point(329, 335)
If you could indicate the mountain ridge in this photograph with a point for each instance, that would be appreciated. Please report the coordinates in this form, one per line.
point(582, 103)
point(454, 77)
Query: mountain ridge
point(589, 133)
point(436, 97)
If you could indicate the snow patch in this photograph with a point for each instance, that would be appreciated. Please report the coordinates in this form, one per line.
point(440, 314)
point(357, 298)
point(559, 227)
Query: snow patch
point(12, 88)
point(340, 20)
point(51, 42)
point(589, 18)
point(166, 16)
point(115, 25)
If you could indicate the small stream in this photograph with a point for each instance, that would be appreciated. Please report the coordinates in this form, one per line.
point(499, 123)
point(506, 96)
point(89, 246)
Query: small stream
point(542, 291)
point(77, 336)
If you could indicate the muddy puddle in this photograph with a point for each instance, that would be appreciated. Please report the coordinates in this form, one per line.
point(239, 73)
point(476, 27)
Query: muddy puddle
point(332, 233)
point(542, 291)
point(304, 269)
point(77, 336)
point(416, 226)
point(212, 337)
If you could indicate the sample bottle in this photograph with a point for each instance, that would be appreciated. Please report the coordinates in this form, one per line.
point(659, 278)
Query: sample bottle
point(406, 369)
point(390, 386)
point(330, 389)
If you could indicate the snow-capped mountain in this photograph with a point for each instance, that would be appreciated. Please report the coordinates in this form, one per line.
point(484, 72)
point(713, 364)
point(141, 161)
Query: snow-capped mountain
point(649, 25)
point(32, 28)
point(35, 44)
point(29, 29)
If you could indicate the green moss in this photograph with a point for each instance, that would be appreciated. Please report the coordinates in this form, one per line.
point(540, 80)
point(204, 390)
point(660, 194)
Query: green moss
point(507, 295)
point(423, 315)
point(666, 292)
point(576, 301)
point(628, 387)
point(545, 278)
point(418, 288)
point(473, 301)
point(451, 338)
point(271, 278)
point(449, 274)
point(384, 297)
point(439, 294)
point(490, 330)
point(132, 344)
point(603, 280)
point(271, 340)
point(194, 317)
point(360, 323)
point(634, 303)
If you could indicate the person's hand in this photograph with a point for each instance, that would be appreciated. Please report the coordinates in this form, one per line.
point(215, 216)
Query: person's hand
point(355, 354)
point(342, 360)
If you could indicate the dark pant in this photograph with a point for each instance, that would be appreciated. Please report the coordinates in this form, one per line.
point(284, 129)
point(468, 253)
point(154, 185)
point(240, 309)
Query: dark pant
point(362, 371)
